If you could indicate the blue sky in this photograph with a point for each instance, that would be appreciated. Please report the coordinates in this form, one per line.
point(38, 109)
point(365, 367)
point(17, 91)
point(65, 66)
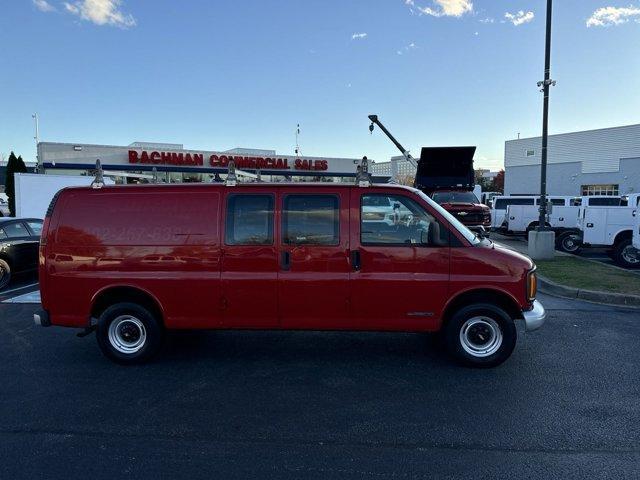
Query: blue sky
point(217, 75)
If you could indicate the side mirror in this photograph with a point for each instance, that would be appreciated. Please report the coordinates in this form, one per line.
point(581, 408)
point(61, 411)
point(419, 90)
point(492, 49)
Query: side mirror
point(482, 233)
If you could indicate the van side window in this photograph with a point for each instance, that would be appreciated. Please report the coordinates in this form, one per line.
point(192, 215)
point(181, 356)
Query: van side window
point(249, 220)
point(311, 220)
point(605, 202)
point(502, 203)
point(398, 220)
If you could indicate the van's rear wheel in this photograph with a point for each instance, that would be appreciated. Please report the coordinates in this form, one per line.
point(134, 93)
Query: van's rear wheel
point(625, 255)
point(569, 243)
point(128, 333)
point(480, 335)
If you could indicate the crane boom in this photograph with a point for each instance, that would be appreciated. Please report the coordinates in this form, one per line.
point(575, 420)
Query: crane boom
point(374, 120)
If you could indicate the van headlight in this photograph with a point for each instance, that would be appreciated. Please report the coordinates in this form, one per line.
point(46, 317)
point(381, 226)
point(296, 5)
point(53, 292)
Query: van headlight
point(532, 285)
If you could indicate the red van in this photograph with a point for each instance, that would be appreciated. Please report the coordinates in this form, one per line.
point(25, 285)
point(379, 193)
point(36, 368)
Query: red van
point(131, 262)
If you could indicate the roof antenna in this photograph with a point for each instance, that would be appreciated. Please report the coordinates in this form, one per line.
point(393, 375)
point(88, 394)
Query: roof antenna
point(297, 143)
point(231, 175)
point(98, 182)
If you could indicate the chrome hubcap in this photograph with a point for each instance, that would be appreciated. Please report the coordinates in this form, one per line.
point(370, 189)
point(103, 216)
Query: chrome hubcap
point(569, 243)
point(127, 334)
point(481, 336)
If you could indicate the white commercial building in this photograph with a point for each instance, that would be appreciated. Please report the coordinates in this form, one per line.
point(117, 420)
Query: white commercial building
point(397, 166)
point(174, 163)
point(593, 162)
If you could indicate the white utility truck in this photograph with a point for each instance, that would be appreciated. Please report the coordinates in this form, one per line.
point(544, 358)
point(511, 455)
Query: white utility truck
point(611, 227)
point(527, 216)
point(635, 236)
point(523, 218)
point(562, 218)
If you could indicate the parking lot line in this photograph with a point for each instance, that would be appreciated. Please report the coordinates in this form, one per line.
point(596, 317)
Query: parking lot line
point(18, 288)
point(29, 297)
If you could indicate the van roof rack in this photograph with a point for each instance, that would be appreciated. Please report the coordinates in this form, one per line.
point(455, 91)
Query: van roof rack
point(232, 178)
point(98, 182)
point(363, 177)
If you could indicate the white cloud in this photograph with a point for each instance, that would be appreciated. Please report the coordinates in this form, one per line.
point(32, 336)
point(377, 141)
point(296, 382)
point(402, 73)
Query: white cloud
point(448, 8)
point(358, 36)
point(406, 48)
point(520, 17)
point(487, 20)
point(608, 16)
point(101, 12)
point(43, 6)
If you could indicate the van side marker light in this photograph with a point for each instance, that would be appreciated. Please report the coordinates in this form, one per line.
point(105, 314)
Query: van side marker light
point(231, 175)
point(98, 182)
point(363, 177)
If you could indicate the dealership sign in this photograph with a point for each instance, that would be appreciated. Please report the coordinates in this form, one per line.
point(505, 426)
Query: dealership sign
point(222, 161)
point(164, 157)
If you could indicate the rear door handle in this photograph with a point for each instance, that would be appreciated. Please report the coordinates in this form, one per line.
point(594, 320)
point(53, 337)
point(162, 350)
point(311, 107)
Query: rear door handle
point(355, 260)
point(285, 261)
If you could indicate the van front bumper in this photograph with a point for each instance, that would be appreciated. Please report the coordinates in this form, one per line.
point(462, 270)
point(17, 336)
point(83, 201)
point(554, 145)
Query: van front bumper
point(534, 318)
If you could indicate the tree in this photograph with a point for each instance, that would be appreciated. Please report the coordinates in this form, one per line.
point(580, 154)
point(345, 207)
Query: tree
point(14, 165)
point(405, 180)
point(498, 182)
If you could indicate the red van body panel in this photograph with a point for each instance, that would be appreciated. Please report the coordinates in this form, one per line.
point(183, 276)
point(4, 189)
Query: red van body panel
point(169, 242)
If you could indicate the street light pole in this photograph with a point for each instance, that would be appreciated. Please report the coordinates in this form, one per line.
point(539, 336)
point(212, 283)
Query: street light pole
point(37, 139)
point(546, 84)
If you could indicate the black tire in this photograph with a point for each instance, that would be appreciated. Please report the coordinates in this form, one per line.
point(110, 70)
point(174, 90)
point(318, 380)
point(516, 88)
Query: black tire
point(488, 318)
point(622, 256)
point(5, 274)
point(135, 338)
point(569, 243)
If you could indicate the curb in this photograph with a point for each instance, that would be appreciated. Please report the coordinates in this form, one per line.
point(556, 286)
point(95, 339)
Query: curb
point(606, 298)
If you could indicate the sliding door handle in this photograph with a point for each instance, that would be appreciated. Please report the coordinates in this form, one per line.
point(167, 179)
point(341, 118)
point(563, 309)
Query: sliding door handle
point(285, 261)
point(355, 260)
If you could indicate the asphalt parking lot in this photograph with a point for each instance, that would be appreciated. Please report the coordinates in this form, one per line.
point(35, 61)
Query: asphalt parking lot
point(323, 405)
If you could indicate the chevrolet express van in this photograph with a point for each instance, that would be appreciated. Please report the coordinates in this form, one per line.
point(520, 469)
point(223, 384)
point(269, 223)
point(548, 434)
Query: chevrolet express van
point(132, 262)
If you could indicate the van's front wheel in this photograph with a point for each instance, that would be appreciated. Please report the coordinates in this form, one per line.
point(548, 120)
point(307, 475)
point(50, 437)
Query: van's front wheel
point(480, 335)
point(127, 333)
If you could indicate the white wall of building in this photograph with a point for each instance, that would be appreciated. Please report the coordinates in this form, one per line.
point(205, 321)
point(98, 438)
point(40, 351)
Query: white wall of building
point(598, 151)
point(608, 157)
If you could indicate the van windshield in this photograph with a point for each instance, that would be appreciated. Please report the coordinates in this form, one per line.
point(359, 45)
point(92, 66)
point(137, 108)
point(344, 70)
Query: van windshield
point(455, 223)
